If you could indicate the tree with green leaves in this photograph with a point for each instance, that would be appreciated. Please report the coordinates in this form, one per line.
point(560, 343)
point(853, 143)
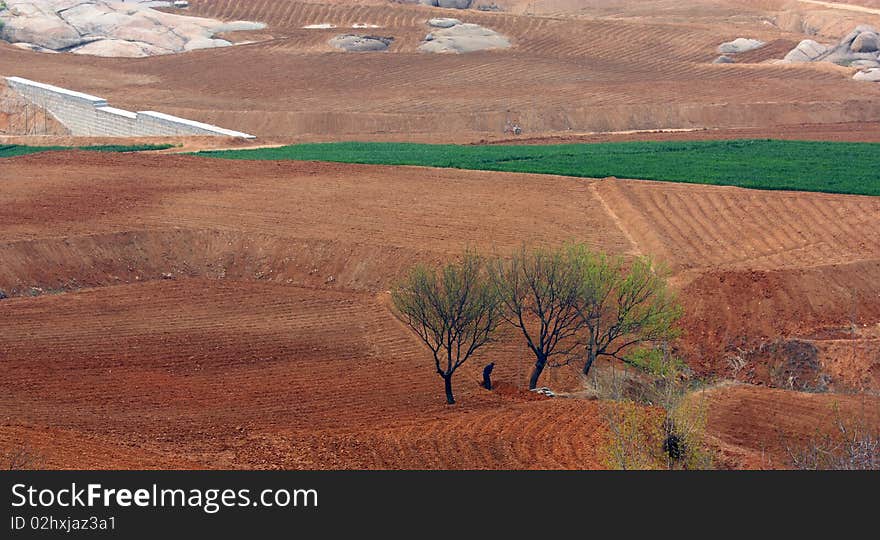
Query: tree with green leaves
point(623, 307)
point(540, 290)
point(454, 310)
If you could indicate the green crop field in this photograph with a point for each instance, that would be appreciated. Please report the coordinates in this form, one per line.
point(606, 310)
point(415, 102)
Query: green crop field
point(832, 167)
point(12, 150)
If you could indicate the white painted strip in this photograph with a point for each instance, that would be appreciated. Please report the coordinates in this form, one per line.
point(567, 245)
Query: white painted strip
point(26, 86)
point(118, 112)
point(199, 125)
point(96, 101)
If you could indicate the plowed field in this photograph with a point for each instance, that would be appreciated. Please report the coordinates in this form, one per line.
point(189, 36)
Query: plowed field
point(170, 311)
point(176, 311)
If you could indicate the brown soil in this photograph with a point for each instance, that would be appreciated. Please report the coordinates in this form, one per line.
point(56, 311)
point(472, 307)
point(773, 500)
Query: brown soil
point(168, 311)
point(755, 427)
point(18, 117)
point(174, 311)
point(564, 74)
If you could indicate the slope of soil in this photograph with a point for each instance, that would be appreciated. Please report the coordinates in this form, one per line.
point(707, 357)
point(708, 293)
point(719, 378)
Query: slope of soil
point(755, 427)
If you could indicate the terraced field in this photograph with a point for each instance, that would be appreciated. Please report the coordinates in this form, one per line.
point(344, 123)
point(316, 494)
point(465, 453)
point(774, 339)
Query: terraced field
point(174, 311)
point(756, 427)
point(249, 374)
point(235, 314)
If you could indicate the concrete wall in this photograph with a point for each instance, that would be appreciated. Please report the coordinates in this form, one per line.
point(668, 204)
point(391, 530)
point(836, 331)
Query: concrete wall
point(86, 115)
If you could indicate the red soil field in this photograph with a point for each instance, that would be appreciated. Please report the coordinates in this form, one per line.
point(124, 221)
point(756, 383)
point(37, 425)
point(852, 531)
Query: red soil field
point(755, 427)
point(175, 311)
point(169, 311)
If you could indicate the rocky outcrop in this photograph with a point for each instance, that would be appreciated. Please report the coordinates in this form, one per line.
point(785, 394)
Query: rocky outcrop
point(723, 60)
point(806, 51)
point(32, 47)
point(357, 43)
point(443, 22)
point(869, 75)
point(463, 38)
point(740, 45)
point(118, 48)
point(859, 45)
point(866, 42)
point(860, 48)
point(109, 28)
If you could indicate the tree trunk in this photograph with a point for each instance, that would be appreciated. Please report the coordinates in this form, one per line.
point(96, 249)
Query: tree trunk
point(591, 357)
point(536, 373)
point(450, 399)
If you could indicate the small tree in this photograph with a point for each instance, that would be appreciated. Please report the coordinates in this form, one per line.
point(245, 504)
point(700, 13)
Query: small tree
point(453, 310)
point(540, 290)
point(621, 308)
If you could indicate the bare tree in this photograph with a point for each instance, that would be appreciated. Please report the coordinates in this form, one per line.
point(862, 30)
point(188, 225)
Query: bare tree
point(540, 291)
point(622, 307)
point(454, 310)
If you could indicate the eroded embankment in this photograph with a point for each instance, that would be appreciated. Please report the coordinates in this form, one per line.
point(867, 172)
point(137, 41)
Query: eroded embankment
point(35, 267)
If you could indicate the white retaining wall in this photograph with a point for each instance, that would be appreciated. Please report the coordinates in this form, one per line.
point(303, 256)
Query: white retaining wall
point(86, 115)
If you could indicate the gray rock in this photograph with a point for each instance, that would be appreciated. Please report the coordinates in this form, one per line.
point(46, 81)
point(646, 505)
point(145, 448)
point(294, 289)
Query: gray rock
point(75, 24)
point(33, 47)
point(237, 26)
point(452, 4)
point(463, 38)
point(356, 43)
point(869, 75)
point(205, 43)
point(866, 42)
point(740, 45)
point(866, 63)
point(47, 31)
point(723, 60)
point(806, 51)
point(845, 57)
point(443, 22)
point(119, 48)
point(859, 45)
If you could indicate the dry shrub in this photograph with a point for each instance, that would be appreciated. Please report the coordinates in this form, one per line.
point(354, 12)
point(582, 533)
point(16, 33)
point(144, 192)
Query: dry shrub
point(853, 446)
point(654, 421)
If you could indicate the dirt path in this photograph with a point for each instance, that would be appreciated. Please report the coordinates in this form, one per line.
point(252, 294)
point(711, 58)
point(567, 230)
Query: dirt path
point(839, 5)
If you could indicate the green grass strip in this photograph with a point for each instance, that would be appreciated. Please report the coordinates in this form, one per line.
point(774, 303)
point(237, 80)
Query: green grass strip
point(833, 167)
point(12, 150)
